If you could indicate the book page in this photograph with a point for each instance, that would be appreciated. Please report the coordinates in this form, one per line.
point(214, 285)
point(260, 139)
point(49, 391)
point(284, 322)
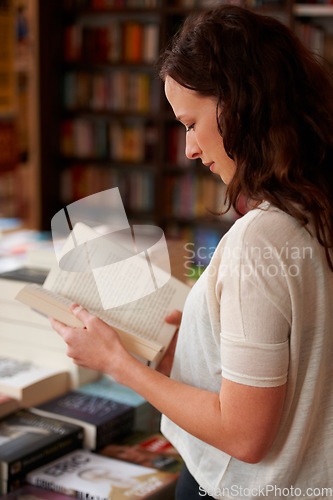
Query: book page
point(59, 307)
point(144, 316)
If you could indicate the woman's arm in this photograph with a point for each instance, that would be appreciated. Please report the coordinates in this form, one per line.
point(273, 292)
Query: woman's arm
point(241, 421)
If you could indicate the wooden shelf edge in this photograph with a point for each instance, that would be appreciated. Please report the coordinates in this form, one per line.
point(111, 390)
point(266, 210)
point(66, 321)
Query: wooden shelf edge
point(312, 10)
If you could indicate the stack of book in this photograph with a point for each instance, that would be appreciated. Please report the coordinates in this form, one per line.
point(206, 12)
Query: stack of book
point(56, 441)
point(108, 426)
point(28, 336)
point(102, 419)
point(84, 474)
point(27, 441)
point(50, 454)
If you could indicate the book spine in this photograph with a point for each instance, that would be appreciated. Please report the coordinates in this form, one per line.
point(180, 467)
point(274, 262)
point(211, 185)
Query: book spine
point(13, 471)
point(126, 42)
point(50, 485)
point(120, 90)
point(114, 430)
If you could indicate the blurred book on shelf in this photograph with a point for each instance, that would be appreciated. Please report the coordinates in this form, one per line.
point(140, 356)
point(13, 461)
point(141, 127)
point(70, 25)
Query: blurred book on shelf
point(126, 41)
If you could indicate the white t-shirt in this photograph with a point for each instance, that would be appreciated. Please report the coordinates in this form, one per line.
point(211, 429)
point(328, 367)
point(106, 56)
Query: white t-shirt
point(262, 314)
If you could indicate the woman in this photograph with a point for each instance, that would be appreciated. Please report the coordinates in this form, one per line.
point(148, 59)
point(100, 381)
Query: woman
point(249, 401)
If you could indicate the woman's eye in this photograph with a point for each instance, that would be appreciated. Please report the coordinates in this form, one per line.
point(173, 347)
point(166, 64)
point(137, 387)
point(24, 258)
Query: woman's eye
point(191, 127)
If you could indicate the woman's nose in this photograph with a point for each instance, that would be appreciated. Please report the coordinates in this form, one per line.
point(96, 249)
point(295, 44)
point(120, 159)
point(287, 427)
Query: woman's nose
point(192, 149)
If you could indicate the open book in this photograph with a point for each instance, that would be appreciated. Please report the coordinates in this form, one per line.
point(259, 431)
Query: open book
point(140, 323)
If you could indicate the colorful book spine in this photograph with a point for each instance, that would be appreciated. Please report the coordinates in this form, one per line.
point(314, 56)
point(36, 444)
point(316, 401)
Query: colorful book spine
point(97, 139)
point(191, 196)
point(126, 42)
point(116, 90)
point(137, 186)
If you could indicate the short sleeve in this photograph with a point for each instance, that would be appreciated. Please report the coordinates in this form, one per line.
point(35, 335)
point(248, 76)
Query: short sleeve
point(255, 310)
point(258, 365)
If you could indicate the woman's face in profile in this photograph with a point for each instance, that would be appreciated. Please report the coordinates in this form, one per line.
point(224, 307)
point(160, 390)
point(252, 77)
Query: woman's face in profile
point(203, 140)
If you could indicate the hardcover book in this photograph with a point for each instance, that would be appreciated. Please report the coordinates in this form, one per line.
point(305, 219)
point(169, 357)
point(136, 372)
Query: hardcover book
point(102, 419)
point(84, 474)
point(28, 440)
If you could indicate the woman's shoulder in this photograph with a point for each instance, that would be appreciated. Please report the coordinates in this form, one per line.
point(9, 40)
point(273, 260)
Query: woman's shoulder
point(266, 223)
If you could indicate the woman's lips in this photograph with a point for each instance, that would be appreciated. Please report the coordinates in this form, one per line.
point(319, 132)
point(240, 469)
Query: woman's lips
point(210, 166)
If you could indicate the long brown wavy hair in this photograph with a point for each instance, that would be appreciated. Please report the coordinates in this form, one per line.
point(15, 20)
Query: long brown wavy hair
point(274, 111)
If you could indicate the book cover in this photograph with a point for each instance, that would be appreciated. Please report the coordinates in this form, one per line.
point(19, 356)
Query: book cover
point(102, 419)
point(28, 440)
point(146, 417)
point(150, 450)
point(84, 474)
point(29, 383)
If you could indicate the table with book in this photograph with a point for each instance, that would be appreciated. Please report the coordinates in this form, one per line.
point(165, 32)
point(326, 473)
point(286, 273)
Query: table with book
point(66, 431)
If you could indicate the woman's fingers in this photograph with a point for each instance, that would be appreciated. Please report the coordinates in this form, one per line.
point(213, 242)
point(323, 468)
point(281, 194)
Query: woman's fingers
point(81, 313)
point(59, 327)
point(174, 318)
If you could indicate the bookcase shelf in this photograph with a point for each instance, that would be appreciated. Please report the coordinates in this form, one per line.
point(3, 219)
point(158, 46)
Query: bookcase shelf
point(313, 10)
point(313, 23)
point(90, 115)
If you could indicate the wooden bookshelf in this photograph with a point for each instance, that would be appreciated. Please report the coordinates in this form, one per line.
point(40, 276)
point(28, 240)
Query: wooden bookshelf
point(313, 10)
point(98, 117)
point(313, 23)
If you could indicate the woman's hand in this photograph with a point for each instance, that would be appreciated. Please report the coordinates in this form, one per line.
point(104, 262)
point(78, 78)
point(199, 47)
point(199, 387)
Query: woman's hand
point(96, 345)
point(166, 362)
